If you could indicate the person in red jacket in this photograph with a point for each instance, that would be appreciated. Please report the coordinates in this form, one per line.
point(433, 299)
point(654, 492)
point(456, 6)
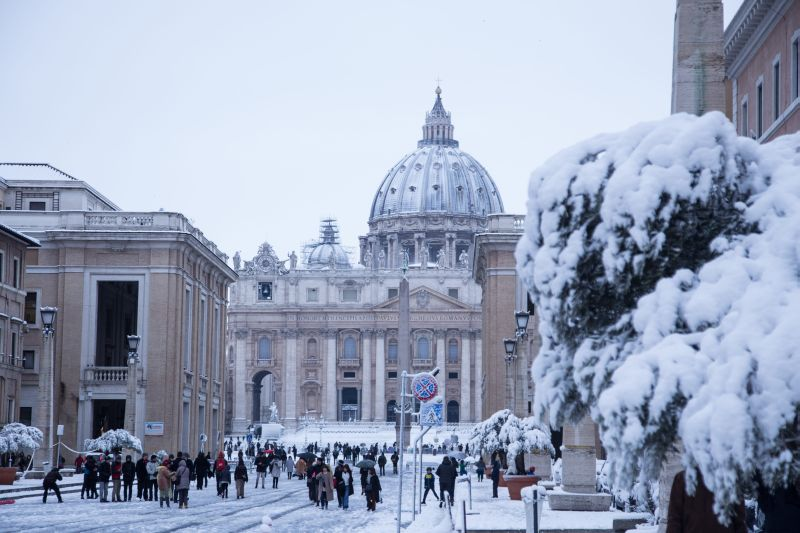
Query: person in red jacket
point(220, 466)
point(116, 478)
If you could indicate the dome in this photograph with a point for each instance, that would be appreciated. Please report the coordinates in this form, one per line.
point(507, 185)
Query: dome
point(438, 177)
point(328, 253)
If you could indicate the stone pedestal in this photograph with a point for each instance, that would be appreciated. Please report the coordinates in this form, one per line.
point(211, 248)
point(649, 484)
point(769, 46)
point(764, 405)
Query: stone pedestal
point(578, 470)
point(570, 501)
point(578, 475)
point(239, 426)
point(540, 461)
point(672, 465)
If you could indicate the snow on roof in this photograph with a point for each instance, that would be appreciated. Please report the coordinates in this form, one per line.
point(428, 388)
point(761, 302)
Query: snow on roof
point(30, 241)
point(33, 171)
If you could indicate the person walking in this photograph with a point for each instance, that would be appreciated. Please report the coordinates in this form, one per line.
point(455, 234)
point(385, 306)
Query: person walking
point(337, 482)
point(49, 484)
point(152, 478)
point(116, 479)
point(372, 489)
point(382, 464)
point(394, 458)
point(347, 483)
point(462, 468)
point(240, 477)
point(480, 469)
point(183, 478)
point(142, 479)
point(695, 513)
point(289, 467)
point(495, 476)
point(128, 473)
point(174, 463)
point(324, 487)
point(275, 470)
point(300, 466)
point(79, 464)
point(261, 469)
point(446, 474)
point(201, 470)
point(104, 475)
point(219, 466)
point(164, 477)
point(224, 479)
point(428, 483)
point(89, 478)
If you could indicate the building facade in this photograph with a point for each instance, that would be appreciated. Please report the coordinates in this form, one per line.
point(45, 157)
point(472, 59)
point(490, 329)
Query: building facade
point(318, 334)
point(111, 274)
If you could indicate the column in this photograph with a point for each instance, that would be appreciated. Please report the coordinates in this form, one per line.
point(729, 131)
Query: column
point(330, 377)
point(43, 418)
point(440, 362)
point(380, 376)
point(451, 251)
point(240, 414)
point(366, 376)
point(478, 377)
point(466, 388)
point(290, 372)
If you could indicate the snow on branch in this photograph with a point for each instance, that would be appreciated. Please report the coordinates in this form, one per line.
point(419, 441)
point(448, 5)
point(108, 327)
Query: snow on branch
point(15, 437)
point(504, 430)
point(664, 264)
point(114, 439)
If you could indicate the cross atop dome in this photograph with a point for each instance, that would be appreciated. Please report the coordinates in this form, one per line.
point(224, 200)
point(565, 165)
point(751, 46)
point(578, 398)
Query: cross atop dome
point(438, 128)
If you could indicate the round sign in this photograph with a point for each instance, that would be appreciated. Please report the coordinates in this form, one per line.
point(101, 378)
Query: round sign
point(424, 387)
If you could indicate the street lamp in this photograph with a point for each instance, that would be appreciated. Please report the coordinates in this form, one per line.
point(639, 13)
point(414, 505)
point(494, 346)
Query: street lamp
point(47, 378)
point(522, 318)
point(510, 345)
point(321, 425)
point(130, 403)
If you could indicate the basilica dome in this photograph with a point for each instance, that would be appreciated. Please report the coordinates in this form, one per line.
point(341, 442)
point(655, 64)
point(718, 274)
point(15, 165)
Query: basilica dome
point(437, 178)
point(328, 253)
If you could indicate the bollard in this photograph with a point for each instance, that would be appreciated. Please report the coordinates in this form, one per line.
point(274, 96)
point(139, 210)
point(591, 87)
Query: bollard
point(535, 510)
point(464, 515)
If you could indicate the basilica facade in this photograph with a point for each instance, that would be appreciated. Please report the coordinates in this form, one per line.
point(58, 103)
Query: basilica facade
point(317, 335)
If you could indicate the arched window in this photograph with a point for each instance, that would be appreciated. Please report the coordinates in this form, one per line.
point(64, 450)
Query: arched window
point(423, 348)
point(452, 412)
point(390, 414)
point(392, 353)
point(311, 348)
point(350, 348)
point(264, 349)
point(452, 351)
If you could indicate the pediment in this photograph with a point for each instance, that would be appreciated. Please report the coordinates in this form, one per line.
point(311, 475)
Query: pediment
point(426, 299)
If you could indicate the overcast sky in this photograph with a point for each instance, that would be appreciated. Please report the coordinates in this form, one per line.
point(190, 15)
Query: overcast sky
point(257, 118)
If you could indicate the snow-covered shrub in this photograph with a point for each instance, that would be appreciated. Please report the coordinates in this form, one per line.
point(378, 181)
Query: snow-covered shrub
point(114, 439)
point(664, 264)
point(485, 436)
point(15, 437)
point(523, 435)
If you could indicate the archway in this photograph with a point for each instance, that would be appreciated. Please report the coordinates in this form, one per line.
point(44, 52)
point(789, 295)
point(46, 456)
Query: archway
point(452, 412)
point(263, 396)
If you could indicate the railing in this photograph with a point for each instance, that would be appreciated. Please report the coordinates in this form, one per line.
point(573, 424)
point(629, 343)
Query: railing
point(264, 362)
point(217, 388)
point(189, 379)
point(10, 360)
point(203, 383)
point(311, 362)
point(349, 363)
point(504, 222)
point(425, 363)
point(113, 375)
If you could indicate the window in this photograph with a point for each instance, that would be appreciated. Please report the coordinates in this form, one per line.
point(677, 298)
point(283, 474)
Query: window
point(201, 334)
point(187, 329)
point(760, 110)
point(2, 267)
point(28, 359)
point(13, 345)
point(392, 375)
point(311, 348)
point(452, 412)
point(30, 307)
point(452, 293)
point(392, 352)
point(392, 293)
point(391, 414)
point(350, 348)
point(452, 375)
point(25, 415)
point(795, 65)
point(215, 346)
point(745, 122)
point(349, 375)
point(37, 206)
point(776, 90)
point(312, 294)
point(452, 351)
point(15, 273)
point(349, 295)
point(264, 349)
point(265, 291)
point(423, 348)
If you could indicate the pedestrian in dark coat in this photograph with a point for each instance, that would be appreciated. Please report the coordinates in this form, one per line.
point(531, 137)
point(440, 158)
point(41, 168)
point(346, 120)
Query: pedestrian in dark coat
point(183, 478)
point(104, 475)
point(201, 470)
point(695, 514)
point(394, 458)
point(781, 508)
point(447, 476)
point(128, 473)
point(49, 484)
point(373, 489)
point(142, 480)
point(495, 476)
point(382, 464)
point(480, 469)
point(89, 478)
point(240, 476)
point(337, 482)
point(429, 484)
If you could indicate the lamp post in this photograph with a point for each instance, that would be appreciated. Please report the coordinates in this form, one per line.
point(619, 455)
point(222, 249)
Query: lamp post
point(46, 380)
point(521, 319)
point(510, 346)
point(130, 402)
point(321, 425)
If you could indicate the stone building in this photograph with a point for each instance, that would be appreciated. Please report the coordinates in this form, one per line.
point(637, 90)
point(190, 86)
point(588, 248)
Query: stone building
point(16, 310)
point(317, 334)
point(113, 273)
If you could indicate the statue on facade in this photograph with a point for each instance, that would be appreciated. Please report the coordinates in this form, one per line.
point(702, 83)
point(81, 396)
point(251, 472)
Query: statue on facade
point(404, 259)
point(368, 259)
point(292, 260)
point(463, 259)
point(237, 260)
point(382, 258)
point(273, 414)
point(441, 259)
point(423, 256)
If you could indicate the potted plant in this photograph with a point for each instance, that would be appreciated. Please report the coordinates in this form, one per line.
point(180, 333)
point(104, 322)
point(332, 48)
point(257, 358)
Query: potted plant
point(485, 438)
point(520, 437)
point(15, 438)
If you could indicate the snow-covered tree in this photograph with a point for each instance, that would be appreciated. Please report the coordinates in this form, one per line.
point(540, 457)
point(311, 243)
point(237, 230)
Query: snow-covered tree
point(114, 439)
point(664, 264)
point(521, 436)
point(485, 436)
point(15, 437)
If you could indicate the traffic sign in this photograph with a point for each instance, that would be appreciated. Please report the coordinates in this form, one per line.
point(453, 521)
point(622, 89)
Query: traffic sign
point(424, 386)
point(431, 414)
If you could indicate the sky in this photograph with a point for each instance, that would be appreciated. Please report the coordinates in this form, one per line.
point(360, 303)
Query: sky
point(256, 119)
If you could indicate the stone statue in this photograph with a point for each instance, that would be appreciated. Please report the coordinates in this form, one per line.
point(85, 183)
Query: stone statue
point(440, 259)
point(463, 259)
point(382, 258)
point(368, 259)
point(404, 259)
point(292, 260)
point(423, 256)
point(273, 414)
point(237, 261)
